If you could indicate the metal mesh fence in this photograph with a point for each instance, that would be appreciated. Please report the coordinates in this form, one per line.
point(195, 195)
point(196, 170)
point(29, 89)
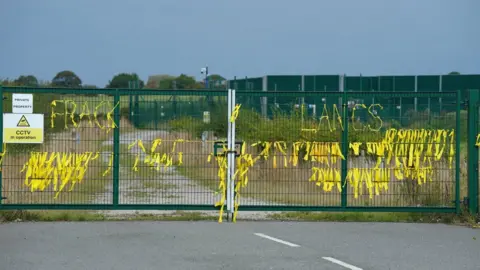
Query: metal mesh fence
point(73, 165)
point(165, 161)
point(347, 149)
point(390, 156)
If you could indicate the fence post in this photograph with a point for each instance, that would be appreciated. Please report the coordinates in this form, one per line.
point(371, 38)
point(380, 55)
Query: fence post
point(344, 149)
point(1, 144)
point(156, 114)
point(473, 100)
point(116, 148)
point(130, 107)
point(457, 152)
point(137, 111)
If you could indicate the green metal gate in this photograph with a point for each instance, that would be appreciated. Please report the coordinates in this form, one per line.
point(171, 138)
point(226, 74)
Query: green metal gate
point(351, 154)
point(93, 157)
point(347, 153)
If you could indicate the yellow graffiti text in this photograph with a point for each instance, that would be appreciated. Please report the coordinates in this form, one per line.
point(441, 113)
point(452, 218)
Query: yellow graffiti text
point(70, 112)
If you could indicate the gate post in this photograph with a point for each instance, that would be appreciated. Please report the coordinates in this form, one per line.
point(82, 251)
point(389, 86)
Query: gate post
point(116, 148)
point(457, 151)
point(473, 102)
point(344, 149)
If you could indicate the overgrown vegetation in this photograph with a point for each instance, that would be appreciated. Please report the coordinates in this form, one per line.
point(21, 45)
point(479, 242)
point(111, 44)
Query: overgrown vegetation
point(287, 126)
point(463, 219)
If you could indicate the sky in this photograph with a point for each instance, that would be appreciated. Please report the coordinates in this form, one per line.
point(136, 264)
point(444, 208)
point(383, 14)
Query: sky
point(100, 38)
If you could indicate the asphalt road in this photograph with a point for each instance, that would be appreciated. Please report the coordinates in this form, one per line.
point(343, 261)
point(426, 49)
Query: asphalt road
point(244, 245)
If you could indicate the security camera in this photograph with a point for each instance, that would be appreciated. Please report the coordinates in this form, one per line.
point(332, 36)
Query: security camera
point(203, 70)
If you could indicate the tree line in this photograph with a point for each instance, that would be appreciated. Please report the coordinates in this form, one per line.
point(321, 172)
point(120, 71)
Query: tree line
point(69, 79)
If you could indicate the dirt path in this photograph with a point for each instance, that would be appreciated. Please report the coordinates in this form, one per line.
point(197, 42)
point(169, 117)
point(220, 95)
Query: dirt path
point(159, 187)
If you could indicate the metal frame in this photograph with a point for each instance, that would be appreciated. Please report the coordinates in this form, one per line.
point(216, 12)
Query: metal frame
point(117, 93)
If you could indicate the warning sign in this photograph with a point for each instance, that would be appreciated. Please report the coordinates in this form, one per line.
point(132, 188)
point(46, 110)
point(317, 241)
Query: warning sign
point(23, 122)
point(22, 103)
point(22, 128)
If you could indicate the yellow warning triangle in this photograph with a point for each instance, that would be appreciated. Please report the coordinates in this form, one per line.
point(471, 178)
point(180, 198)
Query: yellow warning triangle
point(23, 122)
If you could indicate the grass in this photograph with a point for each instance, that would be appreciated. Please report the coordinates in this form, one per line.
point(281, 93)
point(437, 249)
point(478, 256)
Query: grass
point(463, 219)
point(53, 215)
point(59, 215)
point(48, 215)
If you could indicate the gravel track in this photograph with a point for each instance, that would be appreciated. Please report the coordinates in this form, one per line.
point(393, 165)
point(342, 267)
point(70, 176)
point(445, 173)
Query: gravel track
point(161, 187)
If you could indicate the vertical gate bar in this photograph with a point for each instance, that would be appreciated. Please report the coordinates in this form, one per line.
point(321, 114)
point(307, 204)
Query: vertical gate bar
point(344, 149)
point(156, 114)
point(232, 159)
point(229, 139)
point(1, 144)
point(473, 99)
point(116, 148)
point(130, 108)
point(457, 153)
point(137, 110)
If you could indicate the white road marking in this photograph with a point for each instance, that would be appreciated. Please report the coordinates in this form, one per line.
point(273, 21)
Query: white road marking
point(346, 265)
point(276, 240)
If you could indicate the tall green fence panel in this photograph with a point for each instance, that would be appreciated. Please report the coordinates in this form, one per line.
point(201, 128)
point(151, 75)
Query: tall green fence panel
point(355, 156)
point(460, 82)
point(166, 163)
point(284, 83)
point(360, 83)
point(71, 166)
point(429, 83)
point(249, 84)
point(405, 166)
point(473, 131)
point(320, 83)
point(357, 152)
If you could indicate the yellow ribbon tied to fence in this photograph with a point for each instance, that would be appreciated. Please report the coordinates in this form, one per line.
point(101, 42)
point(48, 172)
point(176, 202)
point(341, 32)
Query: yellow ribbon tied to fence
point(235, 113)
point(60, 168)
point(2, 155)
point(222, 186)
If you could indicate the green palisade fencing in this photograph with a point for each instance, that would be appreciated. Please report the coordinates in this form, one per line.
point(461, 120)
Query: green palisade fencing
point(283, 83)
point(429, 84)
point(156, 110)
point(320, 83)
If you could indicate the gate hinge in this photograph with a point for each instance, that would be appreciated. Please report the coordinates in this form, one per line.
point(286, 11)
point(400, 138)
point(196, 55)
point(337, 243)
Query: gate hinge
point(465, 201)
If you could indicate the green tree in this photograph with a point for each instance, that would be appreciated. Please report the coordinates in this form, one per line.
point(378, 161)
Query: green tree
point(160, 82)
point(121, 80)
point(185, 82)
point(66, 78)
point(454, 73)
point(28, 80)
point(216, 77)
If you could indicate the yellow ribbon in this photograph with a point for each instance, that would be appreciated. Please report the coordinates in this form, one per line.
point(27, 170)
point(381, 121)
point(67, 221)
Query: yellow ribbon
point(235, 113)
